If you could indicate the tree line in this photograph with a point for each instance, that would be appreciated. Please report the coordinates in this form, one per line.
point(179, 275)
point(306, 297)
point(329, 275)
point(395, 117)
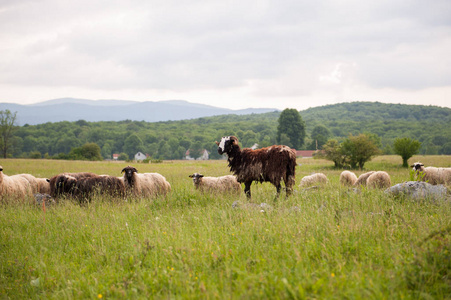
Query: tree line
point(305, 130)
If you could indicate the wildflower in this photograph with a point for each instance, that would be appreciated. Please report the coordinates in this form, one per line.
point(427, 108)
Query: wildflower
point(99, 296)
point(333, 275)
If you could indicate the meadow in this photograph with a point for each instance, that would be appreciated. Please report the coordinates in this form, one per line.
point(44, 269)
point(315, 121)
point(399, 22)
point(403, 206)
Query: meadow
point(330, 243)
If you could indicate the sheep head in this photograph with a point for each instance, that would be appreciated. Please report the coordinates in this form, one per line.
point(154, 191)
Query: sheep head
point(417, 166)
point(196, 177)
point(226, 144)
point(128, 173)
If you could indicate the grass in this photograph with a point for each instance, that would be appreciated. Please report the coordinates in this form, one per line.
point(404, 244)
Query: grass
point(330, 243)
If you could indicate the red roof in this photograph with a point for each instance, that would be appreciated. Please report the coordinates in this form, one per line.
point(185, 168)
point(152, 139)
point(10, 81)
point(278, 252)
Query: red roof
point(305, 153)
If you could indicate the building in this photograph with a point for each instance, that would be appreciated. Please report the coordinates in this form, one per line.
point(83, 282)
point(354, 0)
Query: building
point(115, 156)
point(204, 155)
point(305, 153)
point(140, 156)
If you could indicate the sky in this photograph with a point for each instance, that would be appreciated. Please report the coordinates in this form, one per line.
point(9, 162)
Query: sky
point(231, 54)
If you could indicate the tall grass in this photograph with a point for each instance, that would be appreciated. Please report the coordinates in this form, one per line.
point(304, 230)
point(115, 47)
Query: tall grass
point(327, 243)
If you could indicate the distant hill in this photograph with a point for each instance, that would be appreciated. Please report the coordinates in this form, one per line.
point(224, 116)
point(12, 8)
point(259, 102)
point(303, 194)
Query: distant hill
point(71, 109)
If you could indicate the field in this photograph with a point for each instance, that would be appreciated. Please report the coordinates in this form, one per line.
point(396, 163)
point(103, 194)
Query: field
point(330, 243)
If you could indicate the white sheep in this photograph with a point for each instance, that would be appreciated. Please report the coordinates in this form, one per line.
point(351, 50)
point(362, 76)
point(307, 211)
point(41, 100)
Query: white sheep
point(316, 178)
point(38, 185)
point(14, 187)
point(348, 178)
point(361, 181)
point(379, 179)
point(145, 184)
point(433, 175)
point(221, 184)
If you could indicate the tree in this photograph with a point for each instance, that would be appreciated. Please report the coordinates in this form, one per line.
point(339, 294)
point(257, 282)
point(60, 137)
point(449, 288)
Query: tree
point(133, 144)
point(7, 121)
point(359, 149)
point(319, 136)
point(406, 147)
point(291, 124)
point(332, 151)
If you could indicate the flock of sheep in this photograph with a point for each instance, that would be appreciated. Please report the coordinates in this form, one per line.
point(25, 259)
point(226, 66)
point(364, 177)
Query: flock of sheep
point(82, 186)
point(271, 164)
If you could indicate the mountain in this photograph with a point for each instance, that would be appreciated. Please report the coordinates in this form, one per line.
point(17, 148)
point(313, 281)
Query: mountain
point(72, 109)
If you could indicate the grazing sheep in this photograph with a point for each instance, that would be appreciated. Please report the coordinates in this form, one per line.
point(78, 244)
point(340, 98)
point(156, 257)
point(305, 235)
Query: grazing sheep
point(348, 178)
point(145, 184)
point(363, 178)
point(62, 184)
point(316, 178)
point(433, 175)
point(14, 187)
point(273, 164)
point(221, 184)
point(38, 185)
point(379, 179)
point(83, 188)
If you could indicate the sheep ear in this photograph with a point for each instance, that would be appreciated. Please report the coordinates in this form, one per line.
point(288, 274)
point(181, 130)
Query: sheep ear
point(234, 140)
point(200, 175)
point(48, 180)
point(217, 143)
point(123, 170)
point(190, 176)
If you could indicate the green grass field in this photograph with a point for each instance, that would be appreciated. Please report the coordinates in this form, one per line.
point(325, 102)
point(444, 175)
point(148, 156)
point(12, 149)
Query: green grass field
point(329, 243)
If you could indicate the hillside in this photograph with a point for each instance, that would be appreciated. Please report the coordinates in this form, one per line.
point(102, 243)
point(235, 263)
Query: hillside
point(70, 109)
point(171, 139)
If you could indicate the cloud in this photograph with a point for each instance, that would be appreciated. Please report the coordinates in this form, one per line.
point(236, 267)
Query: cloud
point(260, 50)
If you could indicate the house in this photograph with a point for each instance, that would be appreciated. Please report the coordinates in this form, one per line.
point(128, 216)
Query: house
point(305, 153)
point(140, 156)
point(115, 156)
point(204, 155)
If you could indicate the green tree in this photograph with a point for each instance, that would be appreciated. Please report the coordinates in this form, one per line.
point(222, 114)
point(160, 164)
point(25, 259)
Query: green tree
point(332, 151)
point(133, 144)
point(122, 156)
point(320, 135)
point(406, 147)
point(359, 149)
point(291, 124)
point(91, 151)
point(7, 122)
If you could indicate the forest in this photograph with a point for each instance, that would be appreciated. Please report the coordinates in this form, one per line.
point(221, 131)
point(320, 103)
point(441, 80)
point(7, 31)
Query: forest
point(170, 140)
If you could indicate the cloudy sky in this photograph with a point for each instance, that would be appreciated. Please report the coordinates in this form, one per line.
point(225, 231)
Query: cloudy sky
point(232, 54)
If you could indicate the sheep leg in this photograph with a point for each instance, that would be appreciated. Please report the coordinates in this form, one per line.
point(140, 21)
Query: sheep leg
point(247, 189)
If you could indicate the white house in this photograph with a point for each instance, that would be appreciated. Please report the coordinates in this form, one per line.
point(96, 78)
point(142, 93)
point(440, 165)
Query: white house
point(204, 155)
point(140, 156)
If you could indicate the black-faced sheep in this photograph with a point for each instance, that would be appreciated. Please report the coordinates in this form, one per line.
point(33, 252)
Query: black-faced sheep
point(379, 179)
point(14, 187)
point(223, 184)
point(271, 164)
point(348, 178)
point(145, 184)
point(83, 188)
point(433, 175)
point(314, 179)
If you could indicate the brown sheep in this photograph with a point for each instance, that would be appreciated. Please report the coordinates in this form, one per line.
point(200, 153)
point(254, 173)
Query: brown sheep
point(271, 164)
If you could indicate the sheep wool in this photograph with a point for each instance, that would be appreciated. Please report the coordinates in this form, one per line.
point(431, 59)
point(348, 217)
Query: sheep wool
point(14, 187)
point(348, 178)
point(433, 175)
point(222, 184)
point(379, 179)
point(363, 178)
point(317, 178)
point(145, 184)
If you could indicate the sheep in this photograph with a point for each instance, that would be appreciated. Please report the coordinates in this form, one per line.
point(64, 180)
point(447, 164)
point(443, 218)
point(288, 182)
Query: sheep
point(379, 179)
point(14, 187)
point(82, 188)
point(38, 185)
point(145, 184)
point(316, 178)
point(348, 178)
point(433, 175)
point(361, 181)
point(271, 164)
point(63, 183)
point(221, 184)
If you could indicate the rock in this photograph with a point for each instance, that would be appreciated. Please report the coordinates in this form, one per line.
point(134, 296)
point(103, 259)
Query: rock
point(418, 190)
